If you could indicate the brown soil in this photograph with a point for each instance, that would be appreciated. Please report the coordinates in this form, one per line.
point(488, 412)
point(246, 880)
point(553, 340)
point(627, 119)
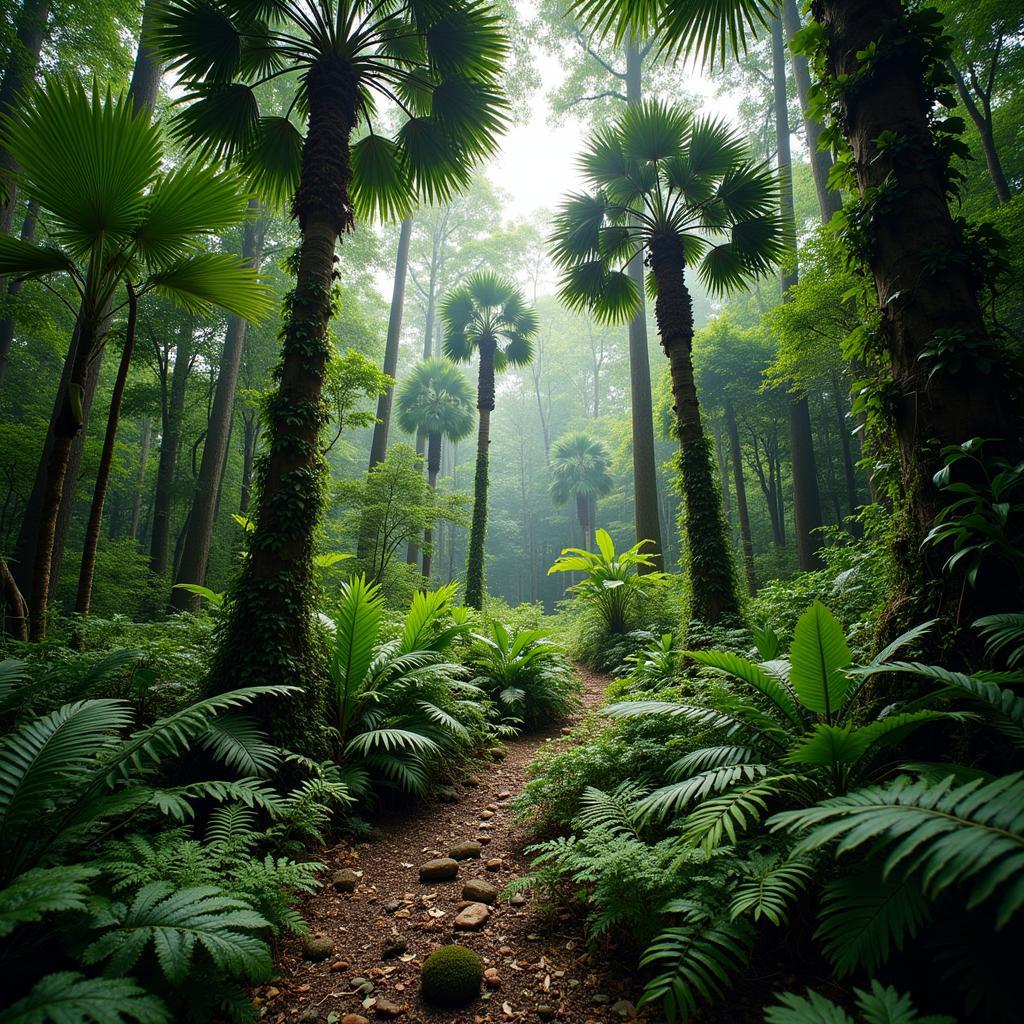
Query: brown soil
point(541, 957)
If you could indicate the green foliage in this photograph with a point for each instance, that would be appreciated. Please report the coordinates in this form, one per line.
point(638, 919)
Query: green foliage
point(451, 976)
point(436, 398)
point(612, 583)
point(524, 675)
point(882, 1005)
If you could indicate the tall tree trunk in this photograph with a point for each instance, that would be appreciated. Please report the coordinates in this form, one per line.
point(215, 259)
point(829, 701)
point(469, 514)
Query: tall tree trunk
point(645, 470)
point(806, 497)
point(170, 439)
point(478, 529)
point(919, 298)
point(199, 536)
point(583, 515)
point(982, 119)
point(708, 551)
point(379, 444)
point(743, 513)
point(147, 430)
point(723, 476)
point(7, 323)
point(829, 202)
point(433, 468)
point(95, 522)
point(839, 392)
point(14, 618)
point(268, 635)
point(412, 549)
point(251, 427)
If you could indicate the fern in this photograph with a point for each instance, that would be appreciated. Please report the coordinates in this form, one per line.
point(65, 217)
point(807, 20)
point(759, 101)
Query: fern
point(701, 962)
point(238, 742)
point(768, 892)
point(729, 815)
point(943, 834)
point(1002, 632)
point(882, 1005)
point(177, 924)
point(43, 891)
point(71, 998)
point(670, 800)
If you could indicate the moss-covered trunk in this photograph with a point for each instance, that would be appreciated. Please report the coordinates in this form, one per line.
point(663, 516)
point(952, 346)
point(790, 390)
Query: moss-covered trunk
point(708, 553)
point(433, 468)
point(269, 631)
point(478, 529)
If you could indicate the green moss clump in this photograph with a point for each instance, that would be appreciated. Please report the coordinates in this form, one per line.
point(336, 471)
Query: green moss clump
point(451, 976)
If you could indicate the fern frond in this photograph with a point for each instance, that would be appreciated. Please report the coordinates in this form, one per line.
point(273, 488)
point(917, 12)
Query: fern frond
point(615, 812)
point(239, 743)
point(699, 963)
point(670, 800)
point(769, 893)
point(711, 757)
point(71, 998)
point(944, 834)
point(44, 891)
point(731, 814)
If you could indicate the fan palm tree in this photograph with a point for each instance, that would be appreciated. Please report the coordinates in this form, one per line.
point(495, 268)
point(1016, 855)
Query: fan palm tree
point(437, 63)
point(487, 315)
point(118, 221)
point(579, 470)
point(436, 400)
point(683, 193)
point(938, 402)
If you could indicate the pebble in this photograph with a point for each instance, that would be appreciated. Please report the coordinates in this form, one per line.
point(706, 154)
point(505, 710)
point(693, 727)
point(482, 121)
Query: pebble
point(492, 979)
point(486, 815)
point(599, 998)
point(354, 1018)
point(386, 1008)
point(317, 947)
point(483, 840)
point(392, 905)
point(396, 947)
point(504, 795)
point(345, 880)
point(440, 869)
point(495, 864)
point(546, 1012)
point(478, 891)
point(624, 1008)
point(473, 917)
point(517, 900)
point(492, 807)
point(340, 965)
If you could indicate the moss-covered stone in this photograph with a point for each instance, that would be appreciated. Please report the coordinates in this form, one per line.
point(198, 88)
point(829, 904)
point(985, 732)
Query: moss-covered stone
point(451, 976)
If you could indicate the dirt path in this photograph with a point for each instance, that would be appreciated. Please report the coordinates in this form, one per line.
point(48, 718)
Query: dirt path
point(381, 932)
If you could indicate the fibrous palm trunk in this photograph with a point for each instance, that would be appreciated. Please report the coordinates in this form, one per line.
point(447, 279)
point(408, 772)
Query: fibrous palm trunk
point(920, 297)
point(478, 528)
point(99, 495)
point(433, 468)
point(199, 536)
point(268, 635)
point(708, 554)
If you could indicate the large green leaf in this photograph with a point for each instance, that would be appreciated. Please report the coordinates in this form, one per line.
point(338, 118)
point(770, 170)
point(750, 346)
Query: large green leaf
point(818, 657)
point(356, 628)
point(23, 259)
point(752, 674)
point(70, 998)
point(208, 280)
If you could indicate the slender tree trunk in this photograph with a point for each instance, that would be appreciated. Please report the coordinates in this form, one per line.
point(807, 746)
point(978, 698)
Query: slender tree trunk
point(919, 298)
point(708, 551)
point(7, 323)
point(433, 468)
point(742, 512)
point(478, 530)
point(846, 445)
point(95, 522)
point(723, 476)
point(645, 470)
point(412, 549)
point(829, 202)
point(15, 610)
point(806, 497)
point(199, 536)
point(379, 444)
point(983, 122)
point(170, 439)
point(268, 635)
point(583, 515)
point(147, 429)
point(251, 425)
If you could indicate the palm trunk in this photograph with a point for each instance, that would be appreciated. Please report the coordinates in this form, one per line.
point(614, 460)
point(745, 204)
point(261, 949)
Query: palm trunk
point(740, 486)
point(199, 536)
point(268, 635)
point(433, 468)
point(379, 444)
point(829, 202)
point(708, 554)
point(920, 298)
point(478, 529)
point(645, 469)
point(160, 541)
point(95, 522)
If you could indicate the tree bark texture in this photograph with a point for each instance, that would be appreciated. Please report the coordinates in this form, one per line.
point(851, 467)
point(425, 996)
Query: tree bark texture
point(478, 527)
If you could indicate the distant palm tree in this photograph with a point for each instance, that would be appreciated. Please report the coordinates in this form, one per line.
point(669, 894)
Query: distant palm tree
point(437, 400)
point(116, 222)
point(437, 64)
point(579, 470)
point(489, 316)
point(683, 193)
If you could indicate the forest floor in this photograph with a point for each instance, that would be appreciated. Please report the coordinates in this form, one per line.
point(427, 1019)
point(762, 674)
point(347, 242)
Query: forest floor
point(538, 964)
